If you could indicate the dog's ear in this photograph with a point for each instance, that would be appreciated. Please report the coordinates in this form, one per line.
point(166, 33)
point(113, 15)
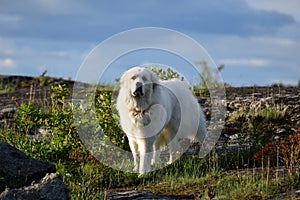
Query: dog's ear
point(122, 81)
point(118, 81)
point(154, 78)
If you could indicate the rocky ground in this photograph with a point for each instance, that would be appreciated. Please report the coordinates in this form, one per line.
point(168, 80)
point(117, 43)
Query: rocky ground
point(23, 89)
point(36, 89)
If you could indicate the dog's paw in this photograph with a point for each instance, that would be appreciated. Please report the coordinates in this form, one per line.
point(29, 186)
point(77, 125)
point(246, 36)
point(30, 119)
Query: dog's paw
point(141, 176)
point(135, 169)
point(155, 162)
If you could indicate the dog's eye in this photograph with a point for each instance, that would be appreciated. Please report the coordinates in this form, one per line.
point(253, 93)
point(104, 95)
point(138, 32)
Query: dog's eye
point(133, 78)
point(144, 78)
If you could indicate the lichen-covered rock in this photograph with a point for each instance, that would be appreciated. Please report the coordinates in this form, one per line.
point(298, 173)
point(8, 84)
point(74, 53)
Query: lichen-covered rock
point(51, 187)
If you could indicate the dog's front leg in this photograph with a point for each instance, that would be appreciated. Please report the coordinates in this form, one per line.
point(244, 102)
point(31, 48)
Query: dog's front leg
point(174, 149)
point(134, 149)
point(146, 154)
point(156, 153)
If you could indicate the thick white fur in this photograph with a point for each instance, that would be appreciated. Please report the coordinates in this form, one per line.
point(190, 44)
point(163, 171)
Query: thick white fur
point(159, 115)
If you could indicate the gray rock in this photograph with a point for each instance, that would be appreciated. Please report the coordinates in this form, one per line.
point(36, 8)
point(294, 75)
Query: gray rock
point(7, 112)
point(50, 187)
point(142, 195)
point(18, 170)
point(41, 133)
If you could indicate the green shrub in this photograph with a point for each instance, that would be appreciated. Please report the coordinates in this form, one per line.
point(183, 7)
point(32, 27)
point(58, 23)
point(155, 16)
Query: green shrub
point(42, 80)
point(61, 137)
point(107, 116)
point(29, 117)
point(259, 123)
point(59, 94)
point(7, 88)
point(209, 79)
point(165, 74)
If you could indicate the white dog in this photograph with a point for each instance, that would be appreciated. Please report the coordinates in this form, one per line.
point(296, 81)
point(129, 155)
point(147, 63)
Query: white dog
point(155, 113)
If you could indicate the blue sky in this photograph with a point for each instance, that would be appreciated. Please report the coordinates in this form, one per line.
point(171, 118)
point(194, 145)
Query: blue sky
point(257, 40)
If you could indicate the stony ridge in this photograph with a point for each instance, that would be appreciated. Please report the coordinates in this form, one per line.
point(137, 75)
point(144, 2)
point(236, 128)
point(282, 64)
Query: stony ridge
point(36, 89)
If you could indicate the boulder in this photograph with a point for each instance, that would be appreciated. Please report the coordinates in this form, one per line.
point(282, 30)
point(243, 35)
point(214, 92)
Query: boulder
point(51, 187)
point(7, 112)
point(143, 194)
point(18, 170)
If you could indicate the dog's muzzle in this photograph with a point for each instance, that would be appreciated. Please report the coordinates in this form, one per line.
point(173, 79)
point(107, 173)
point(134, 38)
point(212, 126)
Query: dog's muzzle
point(139, 91)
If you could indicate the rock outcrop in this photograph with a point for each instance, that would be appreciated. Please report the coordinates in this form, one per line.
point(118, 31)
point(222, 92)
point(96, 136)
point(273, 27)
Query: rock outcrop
point(256, 98)
point(22, 177)
point(51, 187)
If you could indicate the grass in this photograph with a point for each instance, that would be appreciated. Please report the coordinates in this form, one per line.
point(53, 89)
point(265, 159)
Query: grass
point(7, 88)
point(87, 178)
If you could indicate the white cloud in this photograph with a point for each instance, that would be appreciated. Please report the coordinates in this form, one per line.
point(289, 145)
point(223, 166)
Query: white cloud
point(8, 18)
point(6, 47)
point(250, 62)
point(10, 22)
point(290, 7)
point(285, 42)
point(275, 43)
point(60, 7)
point(7, 63)
point(59, 53)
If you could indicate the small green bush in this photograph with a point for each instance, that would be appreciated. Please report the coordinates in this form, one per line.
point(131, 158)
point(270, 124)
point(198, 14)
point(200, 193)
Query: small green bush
point(61, 137)
point(209, 79)
point(165, 74)
point(108, 119)
point(59, 94)
point(7, 88)
point(259, 123)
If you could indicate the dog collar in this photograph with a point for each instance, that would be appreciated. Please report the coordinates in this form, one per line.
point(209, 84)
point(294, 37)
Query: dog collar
point(136, 111)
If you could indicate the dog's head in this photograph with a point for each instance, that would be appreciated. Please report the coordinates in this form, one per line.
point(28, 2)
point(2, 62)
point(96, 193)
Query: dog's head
point(139, 81)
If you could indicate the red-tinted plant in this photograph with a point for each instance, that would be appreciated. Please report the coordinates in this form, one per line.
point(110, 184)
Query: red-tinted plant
point(289, 149)
point(267, 152)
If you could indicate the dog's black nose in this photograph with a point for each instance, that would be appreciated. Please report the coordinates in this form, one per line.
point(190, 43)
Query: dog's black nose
point(138, 84)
